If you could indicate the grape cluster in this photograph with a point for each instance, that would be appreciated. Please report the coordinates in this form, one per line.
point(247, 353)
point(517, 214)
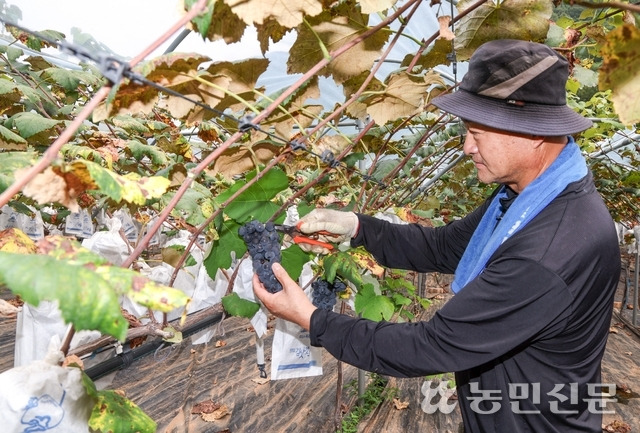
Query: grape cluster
point(263, 244)
point(324, 293)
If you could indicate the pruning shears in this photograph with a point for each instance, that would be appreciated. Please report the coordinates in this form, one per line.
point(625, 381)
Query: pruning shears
point(302, 238)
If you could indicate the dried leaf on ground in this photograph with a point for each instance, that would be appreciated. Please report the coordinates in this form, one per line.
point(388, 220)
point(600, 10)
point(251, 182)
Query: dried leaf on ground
point(6, 309)
point(400, 405)
point(207, 406)
point(221, 412)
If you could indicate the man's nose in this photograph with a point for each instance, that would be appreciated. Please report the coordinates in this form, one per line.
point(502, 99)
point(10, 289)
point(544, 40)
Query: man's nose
point(469, 147)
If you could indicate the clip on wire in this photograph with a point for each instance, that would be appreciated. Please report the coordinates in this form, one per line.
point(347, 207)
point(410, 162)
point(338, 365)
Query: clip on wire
point(245, 123)
point(112, 68)
point(328, 158)
point(298, 144)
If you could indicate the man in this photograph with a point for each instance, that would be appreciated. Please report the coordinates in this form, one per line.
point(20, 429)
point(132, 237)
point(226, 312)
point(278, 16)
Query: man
point(536, 265)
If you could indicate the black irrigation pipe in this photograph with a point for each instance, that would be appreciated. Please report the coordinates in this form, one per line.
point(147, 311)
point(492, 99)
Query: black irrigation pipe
point(127, 358)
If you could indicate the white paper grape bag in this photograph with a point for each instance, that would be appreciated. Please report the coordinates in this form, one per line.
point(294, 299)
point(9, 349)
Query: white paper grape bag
point(44, 397)
point(292, 354)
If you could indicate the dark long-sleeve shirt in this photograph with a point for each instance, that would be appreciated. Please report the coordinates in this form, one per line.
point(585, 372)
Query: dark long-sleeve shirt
point(525, 338)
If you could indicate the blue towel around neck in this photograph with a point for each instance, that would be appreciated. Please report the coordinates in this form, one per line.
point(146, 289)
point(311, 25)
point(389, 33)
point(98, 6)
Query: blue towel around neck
point(568, 167)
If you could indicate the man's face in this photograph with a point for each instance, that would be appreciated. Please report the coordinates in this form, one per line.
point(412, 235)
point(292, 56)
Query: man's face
point(500, 156)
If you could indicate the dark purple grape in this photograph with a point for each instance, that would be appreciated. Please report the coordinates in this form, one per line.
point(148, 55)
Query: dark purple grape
point(263, 244)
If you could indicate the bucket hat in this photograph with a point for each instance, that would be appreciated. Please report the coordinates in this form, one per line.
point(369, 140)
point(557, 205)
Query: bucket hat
point(516, 86)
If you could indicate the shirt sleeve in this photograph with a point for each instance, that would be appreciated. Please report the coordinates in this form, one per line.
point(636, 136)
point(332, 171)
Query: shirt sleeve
point(416, 247)
point(514, 301)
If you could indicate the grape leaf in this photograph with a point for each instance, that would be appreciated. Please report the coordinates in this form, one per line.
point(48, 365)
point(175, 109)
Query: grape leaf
point(620, 72)
point(372, 306)
point(343, 264)
point(122, 281)
point(84, 297)
point(34, 127)
point(10, 162)
point(507, 19)
point(289, 13)
point(16, 241)
point(139, 150)
point(142, 290)
point(131, 188)
point(293, 259)
point(255, 202)
point(115, 413)
point(220, 255)
point(236, 306)
point(335, 32)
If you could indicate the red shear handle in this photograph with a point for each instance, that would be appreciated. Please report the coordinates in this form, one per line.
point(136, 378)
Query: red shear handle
point(305, 240)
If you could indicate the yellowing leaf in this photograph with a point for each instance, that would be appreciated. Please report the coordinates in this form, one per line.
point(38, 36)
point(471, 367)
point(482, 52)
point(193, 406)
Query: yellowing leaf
point(507, 19)
point(16, 241)
point(289, 13)
point(219, 22)
point(620, 72)
point(371, 6)
point(405, 95)
point(365, 260)
point(238, 160)
point(131, 188)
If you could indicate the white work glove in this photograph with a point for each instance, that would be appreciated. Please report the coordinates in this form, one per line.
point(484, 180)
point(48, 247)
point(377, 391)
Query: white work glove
point(342, 226)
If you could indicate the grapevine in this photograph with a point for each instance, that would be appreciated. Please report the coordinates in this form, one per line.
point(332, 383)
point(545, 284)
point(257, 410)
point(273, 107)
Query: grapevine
point(263, 244)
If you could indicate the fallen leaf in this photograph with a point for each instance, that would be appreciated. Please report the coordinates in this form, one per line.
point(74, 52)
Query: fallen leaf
point(613, 330)
point(221, 412)
point(221, 343)
point(6, 309)
point(399, 405)
point(207, 406)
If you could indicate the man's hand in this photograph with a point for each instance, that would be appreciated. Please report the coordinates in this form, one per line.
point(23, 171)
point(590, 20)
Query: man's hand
point(291, 303)
point(342, 226)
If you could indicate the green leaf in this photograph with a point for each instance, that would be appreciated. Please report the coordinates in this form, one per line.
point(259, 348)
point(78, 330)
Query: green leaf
point(84, 297)
point(34, 127)
point(400, 300)
point(139, 150)
point(220, 255)
point(255, 202)
point(293, 259)
point(236, 306)
point(373, 306)
point(65, 78)
point(115, 413)
point(341, 263)
point(9, 140)
point(130, 124)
